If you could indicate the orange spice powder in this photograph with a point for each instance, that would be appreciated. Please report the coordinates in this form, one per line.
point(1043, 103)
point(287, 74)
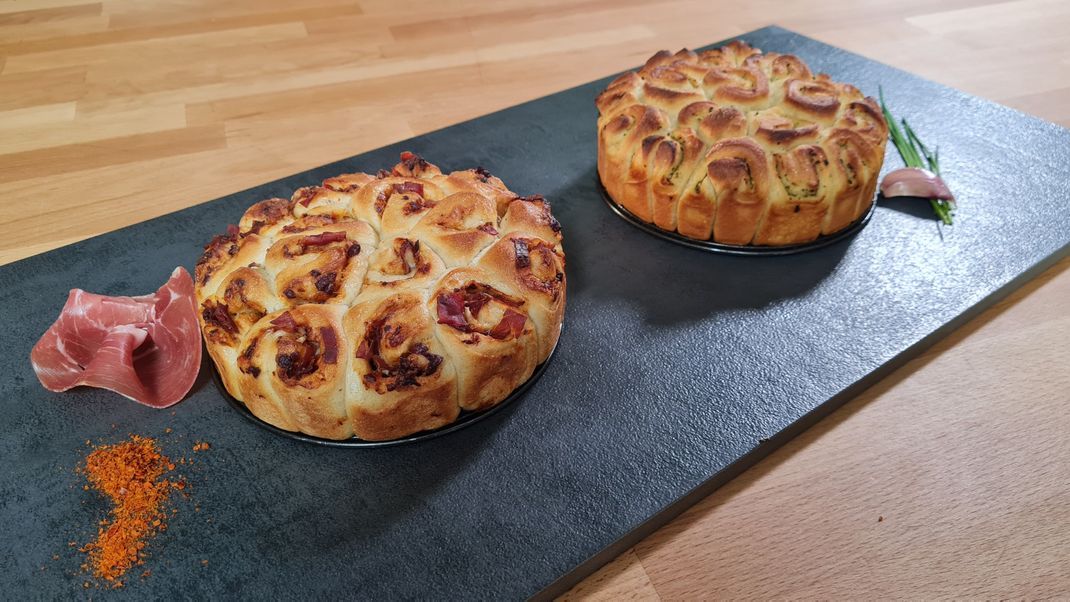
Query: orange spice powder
point(129, 474)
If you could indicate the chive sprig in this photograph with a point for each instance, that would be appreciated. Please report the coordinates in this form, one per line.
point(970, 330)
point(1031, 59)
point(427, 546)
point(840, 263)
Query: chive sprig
point(916, 154)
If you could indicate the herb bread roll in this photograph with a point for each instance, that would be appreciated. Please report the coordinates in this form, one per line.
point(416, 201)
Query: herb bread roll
point(739, 147)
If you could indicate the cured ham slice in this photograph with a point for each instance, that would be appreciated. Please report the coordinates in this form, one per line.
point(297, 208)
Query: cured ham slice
point(146, 348)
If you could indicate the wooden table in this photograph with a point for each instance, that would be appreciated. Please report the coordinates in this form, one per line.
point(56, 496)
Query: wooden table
point(950, 477)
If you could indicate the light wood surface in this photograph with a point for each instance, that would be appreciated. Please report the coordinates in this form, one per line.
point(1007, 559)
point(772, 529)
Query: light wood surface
point(949, 478)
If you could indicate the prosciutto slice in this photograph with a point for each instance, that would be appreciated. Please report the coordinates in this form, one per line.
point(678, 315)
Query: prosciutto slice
point(146, 348)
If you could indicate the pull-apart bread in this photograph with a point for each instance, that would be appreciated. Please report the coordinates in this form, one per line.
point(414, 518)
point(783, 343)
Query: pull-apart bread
point(738, 147)
point(383, 305)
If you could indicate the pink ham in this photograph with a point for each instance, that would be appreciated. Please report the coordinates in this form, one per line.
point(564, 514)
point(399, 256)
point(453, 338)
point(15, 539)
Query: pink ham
point(511, 325)
point(147, 348)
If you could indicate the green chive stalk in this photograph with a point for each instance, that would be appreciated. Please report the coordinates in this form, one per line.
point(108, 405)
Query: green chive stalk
point(916, 154)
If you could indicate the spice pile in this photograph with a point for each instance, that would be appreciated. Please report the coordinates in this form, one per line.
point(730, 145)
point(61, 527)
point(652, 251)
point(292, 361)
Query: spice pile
point(130, 475)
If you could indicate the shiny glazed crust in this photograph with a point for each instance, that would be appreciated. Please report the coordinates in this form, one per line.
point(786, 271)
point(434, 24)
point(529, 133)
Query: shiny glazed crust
point(739, 147)
point(379, 306)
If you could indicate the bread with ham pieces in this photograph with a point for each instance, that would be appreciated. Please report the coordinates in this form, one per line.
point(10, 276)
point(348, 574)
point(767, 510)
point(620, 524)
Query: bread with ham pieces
point(379, 306)
point(739, 147)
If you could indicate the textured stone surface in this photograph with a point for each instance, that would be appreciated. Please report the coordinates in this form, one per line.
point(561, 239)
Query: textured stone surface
point(674, 366)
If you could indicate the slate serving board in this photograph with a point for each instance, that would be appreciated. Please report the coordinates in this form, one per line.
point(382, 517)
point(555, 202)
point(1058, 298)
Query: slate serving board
point(677, 369)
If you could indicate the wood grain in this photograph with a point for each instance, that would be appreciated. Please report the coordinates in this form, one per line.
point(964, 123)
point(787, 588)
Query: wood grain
point(948, 479)
point(944, 480)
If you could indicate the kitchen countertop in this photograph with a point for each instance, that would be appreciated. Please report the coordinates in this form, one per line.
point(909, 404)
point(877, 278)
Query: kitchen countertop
point(947, 478)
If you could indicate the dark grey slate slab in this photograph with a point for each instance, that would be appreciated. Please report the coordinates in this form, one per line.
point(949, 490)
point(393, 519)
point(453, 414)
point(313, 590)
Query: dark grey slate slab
point(677, 369)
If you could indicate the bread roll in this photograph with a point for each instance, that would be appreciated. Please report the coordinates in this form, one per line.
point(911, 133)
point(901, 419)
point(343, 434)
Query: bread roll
point(379, 306)
point(738, 147)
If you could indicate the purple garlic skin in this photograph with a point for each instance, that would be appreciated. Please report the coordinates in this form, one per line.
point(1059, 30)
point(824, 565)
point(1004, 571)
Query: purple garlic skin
point(916, 182)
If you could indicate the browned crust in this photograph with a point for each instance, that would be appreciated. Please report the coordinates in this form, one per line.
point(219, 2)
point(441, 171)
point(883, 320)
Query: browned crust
point(855, 166)
point(784, 66)
point(624, 173)
point(348, 182)
point(660, 154)
point(817, 98)
point(424, 411)
point(316, 402)
point(265, 213)
point(241, 300)
point(531, 215)
point(332, 272)
point(217, 252)
point(741, 86)
point(487, 368)
point(311, 402)
point(384, 403)
point(801, 214)
point(458, 227)
point(538, 275)
point(776, 132)
point(739, 173)
point(697, 208)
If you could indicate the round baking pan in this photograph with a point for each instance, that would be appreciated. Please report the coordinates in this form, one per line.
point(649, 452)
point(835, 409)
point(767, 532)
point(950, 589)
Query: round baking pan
point(466, 418)
point(716, 247)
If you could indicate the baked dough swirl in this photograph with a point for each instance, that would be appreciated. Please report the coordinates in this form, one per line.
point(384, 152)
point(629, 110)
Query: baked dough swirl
point(383, 305)
point(739, 147)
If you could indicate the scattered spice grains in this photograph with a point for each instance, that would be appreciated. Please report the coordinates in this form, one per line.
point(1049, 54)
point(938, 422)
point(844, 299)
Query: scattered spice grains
point(130, 474)
point(200, 446)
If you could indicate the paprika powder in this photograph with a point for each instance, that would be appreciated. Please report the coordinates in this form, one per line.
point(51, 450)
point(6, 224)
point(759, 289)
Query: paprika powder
point(130, 474)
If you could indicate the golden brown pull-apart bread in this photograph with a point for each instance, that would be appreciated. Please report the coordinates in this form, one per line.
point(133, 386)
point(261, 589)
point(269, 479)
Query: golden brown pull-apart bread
point(383, 305)
point(739, 147)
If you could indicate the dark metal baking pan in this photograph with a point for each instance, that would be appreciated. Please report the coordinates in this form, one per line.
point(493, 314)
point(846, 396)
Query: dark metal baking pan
point(717, 247)
point(465, 419)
